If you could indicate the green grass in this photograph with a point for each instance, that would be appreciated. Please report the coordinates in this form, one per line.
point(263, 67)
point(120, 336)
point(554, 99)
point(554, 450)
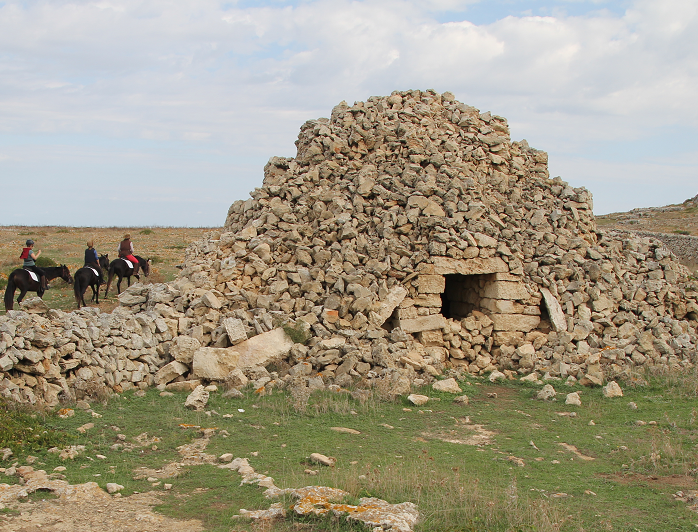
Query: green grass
point(407, 453)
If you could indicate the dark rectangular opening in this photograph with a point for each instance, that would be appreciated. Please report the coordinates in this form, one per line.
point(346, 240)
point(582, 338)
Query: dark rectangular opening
point(461, 295)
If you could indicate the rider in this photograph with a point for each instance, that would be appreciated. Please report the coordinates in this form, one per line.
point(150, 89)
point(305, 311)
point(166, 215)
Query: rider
point(30, 257)
point(126, 252)
point(92, 260)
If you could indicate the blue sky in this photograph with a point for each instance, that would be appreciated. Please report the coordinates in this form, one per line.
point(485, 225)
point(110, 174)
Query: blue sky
point(158, 113)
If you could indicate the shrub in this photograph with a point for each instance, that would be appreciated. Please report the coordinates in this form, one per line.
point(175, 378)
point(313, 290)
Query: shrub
point(45, 262)
point(146, 232)
point(23, 431)
point(682, 232)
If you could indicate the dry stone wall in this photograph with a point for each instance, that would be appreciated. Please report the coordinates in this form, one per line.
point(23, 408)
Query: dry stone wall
point(408, 236)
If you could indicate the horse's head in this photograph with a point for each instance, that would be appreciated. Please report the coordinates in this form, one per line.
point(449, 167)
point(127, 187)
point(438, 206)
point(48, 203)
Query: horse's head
point(104, 262)
point(65, 274)
point(146, 267)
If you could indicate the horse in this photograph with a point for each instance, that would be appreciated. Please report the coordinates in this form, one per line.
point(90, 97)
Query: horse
point(121, 269)
point(84, 277)
point(21, 279)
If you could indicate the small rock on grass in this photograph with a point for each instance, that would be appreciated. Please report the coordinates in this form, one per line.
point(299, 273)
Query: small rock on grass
point(496, 375)
point(632, 405)
point(548, 392)
point(447, 385)
point(113, 487)
point(417, 400)
point(573, 399)
point(323, 460)
point(612, 390)
point(462, 400)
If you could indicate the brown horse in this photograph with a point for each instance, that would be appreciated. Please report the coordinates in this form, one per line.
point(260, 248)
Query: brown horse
point(20, 279)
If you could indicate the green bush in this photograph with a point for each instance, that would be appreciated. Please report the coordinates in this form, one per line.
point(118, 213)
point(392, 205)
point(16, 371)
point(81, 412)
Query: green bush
point(45, 262)
point(146, 232)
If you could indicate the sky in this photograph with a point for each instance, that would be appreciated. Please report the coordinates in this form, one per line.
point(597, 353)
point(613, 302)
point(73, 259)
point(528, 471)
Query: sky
point(163, 113)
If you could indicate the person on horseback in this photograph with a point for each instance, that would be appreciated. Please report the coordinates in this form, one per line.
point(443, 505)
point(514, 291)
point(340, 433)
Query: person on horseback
point(30, 256)
point(92, 260)
point(126, 252)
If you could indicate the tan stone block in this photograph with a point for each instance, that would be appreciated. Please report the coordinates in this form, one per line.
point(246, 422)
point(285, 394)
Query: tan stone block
point(514, 322)
point(428, 300)
point(474, 266)
point(424, 323)
point(431, 284)
point(431, 338)
point(505, 290)
point(509, 338)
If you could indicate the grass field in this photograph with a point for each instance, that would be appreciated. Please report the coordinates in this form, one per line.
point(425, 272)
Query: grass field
point(505, 462)
point(66, 245)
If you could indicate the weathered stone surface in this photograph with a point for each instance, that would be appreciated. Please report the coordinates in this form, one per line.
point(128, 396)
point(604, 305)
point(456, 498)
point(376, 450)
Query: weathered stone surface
point(514, 322)
point(235, 330)
point(197, 399)
point(476, 266)
point(34, 305)
point(431, 284)
point(612, 389)
point(216, 363)
point(426, 323)
point(557, 316)
point(546, 393)
point(183, 349)
point(573, 399)
point(506, 290)
point(447, 385)
point(170, 372)
point(417, 400)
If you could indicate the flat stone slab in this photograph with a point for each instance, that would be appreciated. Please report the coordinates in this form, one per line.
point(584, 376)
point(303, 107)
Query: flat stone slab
point(214, 363)
point(476, 266)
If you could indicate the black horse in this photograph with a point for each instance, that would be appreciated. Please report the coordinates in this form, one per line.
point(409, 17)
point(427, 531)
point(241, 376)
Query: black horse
point(20, 279)
point(84, 277)
point(121, 269)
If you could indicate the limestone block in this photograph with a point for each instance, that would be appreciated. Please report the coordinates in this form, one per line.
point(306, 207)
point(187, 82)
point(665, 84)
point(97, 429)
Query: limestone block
point(424, 323)
point(216, 363)
point(34, 305)
point(210, 300)
point(197, 399)
point(429, 338)
point(384, 309)
point(514, 322)
point(557, 316)
point(235, 330)
point(183, 348)
point(428, 300)
point(236, 379)
point(505, 290)
point(170, 372)
point(612, 390)
point(417, 399)
point(431, 284)
point(447, 385)
point(475, 266)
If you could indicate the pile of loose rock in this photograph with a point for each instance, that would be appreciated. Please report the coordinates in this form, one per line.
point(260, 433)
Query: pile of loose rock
point(409, 235)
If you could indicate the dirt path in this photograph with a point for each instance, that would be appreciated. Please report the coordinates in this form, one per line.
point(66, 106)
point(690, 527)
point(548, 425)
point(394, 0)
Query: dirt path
point(90, 514)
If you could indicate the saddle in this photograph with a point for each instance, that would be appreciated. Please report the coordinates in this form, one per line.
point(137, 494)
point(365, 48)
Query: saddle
point(128, 262)
point(33, 275)
point(95, 271)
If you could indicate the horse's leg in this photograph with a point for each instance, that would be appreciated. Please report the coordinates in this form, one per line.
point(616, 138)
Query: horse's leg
point(22, 293)
point(118, 284)
point(111, 276)
point(128, 278)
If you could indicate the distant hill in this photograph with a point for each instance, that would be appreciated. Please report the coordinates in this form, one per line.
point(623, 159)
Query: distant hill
point(679, 219)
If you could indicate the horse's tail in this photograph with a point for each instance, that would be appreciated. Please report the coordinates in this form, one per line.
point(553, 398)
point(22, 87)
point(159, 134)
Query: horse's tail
point(10, 293)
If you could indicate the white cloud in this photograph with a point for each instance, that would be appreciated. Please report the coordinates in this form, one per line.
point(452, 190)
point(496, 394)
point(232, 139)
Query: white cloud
point(240, 81)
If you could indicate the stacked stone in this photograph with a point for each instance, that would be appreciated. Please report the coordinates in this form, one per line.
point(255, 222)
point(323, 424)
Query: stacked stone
point(408, 236)
point(46, 353)
point(355, 235)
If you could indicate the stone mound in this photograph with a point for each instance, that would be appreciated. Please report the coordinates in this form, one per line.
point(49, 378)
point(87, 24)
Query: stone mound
point(408, 236)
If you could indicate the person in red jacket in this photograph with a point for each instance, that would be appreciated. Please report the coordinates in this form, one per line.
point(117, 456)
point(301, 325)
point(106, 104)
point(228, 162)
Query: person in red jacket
point(125, 251)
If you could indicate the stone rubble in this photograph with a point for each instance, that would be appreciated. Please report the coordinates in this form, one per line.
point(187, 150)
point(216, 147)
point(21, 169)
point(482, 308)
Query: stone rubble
point(410, 236)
